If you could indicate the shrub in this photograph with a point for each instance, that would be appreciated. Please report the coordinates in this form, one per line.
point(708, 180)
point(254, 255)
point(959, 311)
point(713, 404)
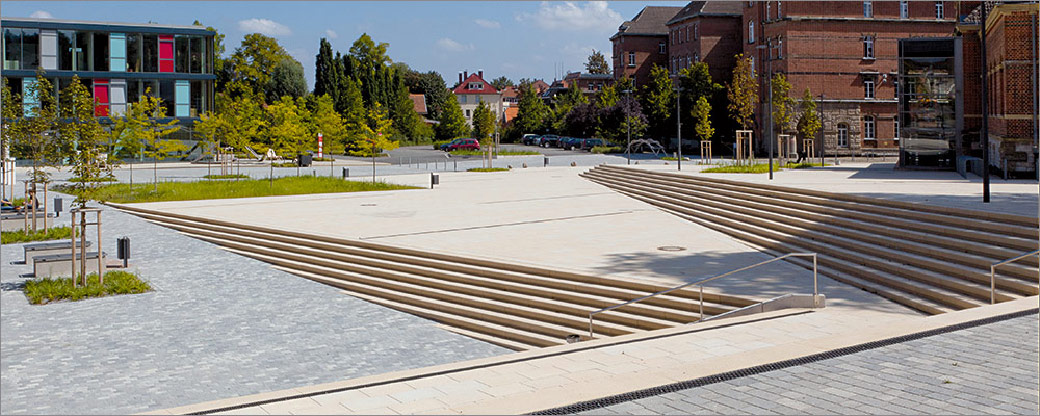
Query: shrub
point(23, 236)
point(487, 170)
point(232, 176)
point(118, 282)
point(284, 164)
point(756, 168)
point(605, 149)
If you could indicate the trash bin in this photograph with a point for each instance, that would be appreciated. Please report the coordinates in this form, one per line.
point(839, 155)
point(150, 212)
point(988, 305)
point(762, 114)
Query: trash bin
point(304, 159)
point(123, 249)
point(346, 173)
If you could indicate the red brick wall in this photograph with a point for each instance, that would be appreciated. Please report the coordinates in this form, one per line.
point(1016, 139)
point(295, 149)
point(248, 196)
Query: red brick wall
point(715, 40)
point(647, 54)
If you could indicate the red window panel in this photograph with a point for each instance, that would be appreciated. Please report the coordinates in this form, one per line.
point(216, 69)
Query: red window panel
point(101, 97)
point(165, 65)
point(165, 53)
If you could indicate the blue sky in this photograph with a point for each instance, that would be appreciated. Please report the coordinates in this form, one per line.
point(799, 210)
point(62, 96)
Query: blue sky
point(513, 38)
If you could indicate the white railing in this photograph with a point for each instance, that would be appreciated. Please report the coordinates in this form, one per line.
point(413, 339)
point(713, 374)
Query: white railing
point(701, 283)
point(993, 273)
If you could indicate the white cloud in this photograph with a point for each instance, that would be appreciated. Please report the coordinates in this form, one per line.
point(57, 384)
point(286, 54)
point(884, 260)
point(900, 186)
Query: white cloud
point(450, 45)
point(488, 24)
point(571, 16)
point(264, 26)
point(331, 34)
point(41, 14)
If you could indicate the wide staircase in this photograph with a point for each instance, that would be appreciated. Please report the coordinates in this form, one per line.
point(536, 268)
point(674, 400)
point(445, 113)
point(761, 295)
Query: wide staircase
point(511, 305)
point(929, 258)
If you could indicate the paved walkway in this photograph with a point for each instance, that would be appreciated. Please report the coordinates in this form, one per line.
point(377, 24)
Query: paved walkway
point(217, 325)
point(989, 369)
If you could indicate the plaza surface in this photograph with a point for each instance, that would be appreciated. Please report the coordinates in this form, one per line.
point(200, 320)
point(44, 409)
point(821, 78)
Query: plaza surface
point(221, 326)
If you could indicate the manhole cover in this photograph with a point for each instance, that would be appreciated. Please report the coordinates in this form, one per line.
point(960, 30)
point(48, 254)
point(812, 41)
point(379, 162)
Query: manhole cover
point(368, 205)
point(672, 248)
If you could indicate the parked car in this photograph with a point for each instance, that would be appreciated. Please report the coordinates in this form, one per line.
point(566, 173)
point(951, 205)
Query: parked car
point(462, 144)
point(569, 143)
point(530, 139)
point(444, 146)
point(549, 140)
point(588, 144)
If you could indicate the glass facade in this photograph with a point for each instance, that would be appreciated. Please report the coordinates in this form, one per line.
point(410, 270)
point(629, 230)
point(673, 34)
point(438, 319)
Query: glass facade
point(114, 65)
point(927, 102)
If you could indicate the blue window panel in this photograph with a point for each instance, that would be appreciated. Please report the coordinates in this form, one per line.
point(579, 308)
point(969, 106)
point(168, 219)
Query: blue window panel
point(182, 97)
point(117, 52)
point(29, 101)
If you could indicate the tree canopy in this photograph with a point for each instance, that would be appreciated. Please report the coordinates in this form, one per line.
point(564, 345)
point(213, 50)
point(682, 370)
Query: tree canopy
point(743, 93)
point(597, 64)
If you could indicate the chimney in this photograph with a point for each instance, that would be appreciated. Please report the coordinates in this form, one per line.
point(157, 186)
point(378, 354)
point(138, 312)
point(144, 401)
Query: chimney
point(480, 74)
point(465, 74)
point(460, 77)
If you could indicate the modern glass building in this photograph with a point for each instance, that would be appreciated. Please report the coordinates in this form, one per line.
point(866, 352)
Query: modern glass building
point(119, 62)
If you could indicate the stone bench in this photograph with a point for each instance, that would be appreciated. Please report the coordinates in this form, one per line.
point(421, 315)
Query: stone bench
point(15, 222)
point(60, 265)
point(34, 250)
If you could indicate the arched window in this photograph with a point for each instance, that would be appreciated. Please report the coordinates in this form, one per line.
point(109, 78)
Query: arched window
point(869, 128)
point(751, 32)
point(843, 135)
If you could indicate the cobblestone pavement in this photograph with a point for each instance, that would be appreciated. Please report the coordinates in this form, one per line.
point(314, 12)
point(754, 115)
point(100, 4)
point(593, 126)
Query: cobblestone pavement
point(217, 325)
point(989, 369)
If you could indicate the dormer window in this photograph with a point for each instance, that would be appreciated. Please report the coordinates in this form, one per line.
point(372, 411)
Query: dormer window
point(475, 86)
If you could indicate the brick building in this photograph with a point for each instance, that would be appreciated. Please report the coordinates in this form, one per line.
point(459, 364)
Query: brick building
point(706, 31)
point(847, 54)
point(641, 43)
point(1011, 67)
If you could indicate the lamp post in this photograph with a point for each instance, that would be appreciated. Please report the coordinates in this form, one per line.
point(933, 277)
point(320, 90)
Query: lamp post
point(769, 84)
point(628, 122)
point(985, 111)
point(678, 124)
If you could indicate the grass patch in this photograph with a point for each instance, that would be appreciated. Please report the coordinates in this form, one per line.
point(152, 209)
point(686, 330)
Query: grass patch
point(284, 164)
point(500, 153)
point(487, 170)
point(673, 158)
point(192, 191)
point(323, 159)
point(23, 236)
point(101, 179)
point(803, 165)
point(756, 168)
point(117, 282)
point(231, 176)
point(365, 153)
point(606, 149)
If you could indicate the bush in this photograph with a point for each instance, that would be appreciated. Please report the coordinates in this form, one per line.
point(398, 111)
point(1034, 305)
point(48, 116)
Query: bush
point(101, 179)
point(118, 282)
point(803, 165)
point(284, 164)
point(23, 236)
point(487, 170)
point(756, 168)
point(232, 176)
point(606, 149)
point(364, 153)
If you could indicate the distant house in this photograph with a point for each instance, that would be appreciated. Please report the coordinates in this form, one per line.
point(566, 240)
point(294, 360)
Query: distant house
point(419, 103)
point(589, 84)
point(540, 86)
point(641, 43)
point(473, 89)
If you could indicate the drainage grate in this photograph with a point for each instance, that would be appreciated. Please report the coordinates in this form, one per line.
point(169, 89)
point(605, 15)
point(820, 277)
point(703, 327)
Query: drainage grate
point(671, 248)
point(730, 375)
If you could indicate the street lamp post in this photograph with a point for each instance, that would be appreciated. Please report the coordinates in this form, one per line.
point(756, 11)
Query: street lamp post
point(769, 84)
point(628, 122)
point(678, 124)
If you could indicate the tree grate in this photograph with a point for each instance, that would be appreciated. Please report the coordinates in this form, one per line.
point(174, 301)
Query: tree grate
point(730, 375)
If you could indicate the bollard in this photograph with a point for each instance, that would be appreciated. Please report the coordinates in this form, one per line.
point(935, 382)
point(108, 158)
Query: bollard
point(123, 249)
point(58, 202)
point(435, 179)
point(346, 172)
point(545, 161)
point(456, 166)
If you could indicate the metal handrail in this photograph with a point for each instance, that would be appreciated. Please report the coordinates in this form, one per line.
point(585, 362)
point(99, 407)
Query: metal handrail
point(701, 283)
point(993, 273)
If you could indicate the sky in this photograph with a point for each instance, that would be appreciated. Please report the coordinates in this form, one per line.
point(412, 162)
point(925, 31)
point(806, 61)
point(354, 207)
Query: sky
point(516, 39)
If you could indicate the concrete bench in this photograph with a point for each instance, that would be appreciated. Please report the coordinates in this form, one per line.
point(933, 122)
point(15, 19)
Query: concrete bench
point(60, 265)
point(34, 250)
point(17, 222)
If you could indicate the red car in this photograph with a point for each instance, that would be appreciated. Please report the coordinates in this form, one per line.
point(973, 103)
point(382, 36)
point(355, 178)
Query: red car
point(462, 144)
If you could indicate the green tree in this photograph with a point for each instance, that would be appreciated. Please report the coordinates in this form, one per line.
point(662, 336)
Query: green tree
point(147, 114)
point(432, 86)
point(286, 80)
point(502, 82)
point(218, 56)
point(286, 131)
point(607, 97)
point(597, 64)
point(78, 123)
point(10, 112)
point(809, 120)
point(783, 104)
point(452, 122)
point(323, 118)
point(658, 99)
point(354, 114)
point(375, 132)
point(32, 133)
point(564, 103)
point(743, 93)
point(254, 62)
point(702, 113)
point(484, 129)
point(325, 67)
point(532, 116)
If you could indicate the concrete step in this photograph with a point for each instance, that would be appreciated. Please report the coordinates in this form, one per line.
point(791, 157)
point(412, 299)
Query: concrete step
point(922, 266)
point(935, 288)
point(1018, 242)
point(977, 254)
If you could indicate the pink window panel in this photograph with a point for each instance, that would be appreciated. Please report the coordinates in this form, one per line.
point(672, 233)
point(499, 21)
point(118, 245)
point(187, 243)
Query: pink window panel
point(165, 65)
point(101, 97)
point(165, 53)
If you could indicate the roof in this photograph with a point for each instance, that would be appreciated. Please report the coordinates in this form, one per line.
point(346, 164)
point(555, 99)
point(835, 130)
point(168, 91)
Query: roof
point(487, 90)
point(652, 20)
point(509, 92)
point(511, 113)
point(709, 8)
point(540, 85)
point(585, 75)
point(419, 102)
point(103, 26)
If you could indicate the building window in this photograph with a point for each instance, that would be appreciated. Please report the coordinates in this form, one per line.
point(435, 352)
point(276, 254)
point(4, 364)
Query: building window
point(467, 113)
point(195, 50)
point(779, 48)
point(938, 10)
point(82, 52)
point(689, 62)
point(868, 88)
point(779, 5)
point(904, 9)
point(869, 131)
point(895, 129)
point(180, 43)
point(133, 52)
point(868, 47)
point(21, 48)
point(100, 52)
point(168, 94)
point(101, 98)
point(631, 59)
point(696, 30)
point(868, 9)
point(769, 10)
point(843, 135)
point(149, 53)
point(750, 32)
point(661, 48)
point(697, 57)
point(66, 49)
point(475, 86)
point(166, 56)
